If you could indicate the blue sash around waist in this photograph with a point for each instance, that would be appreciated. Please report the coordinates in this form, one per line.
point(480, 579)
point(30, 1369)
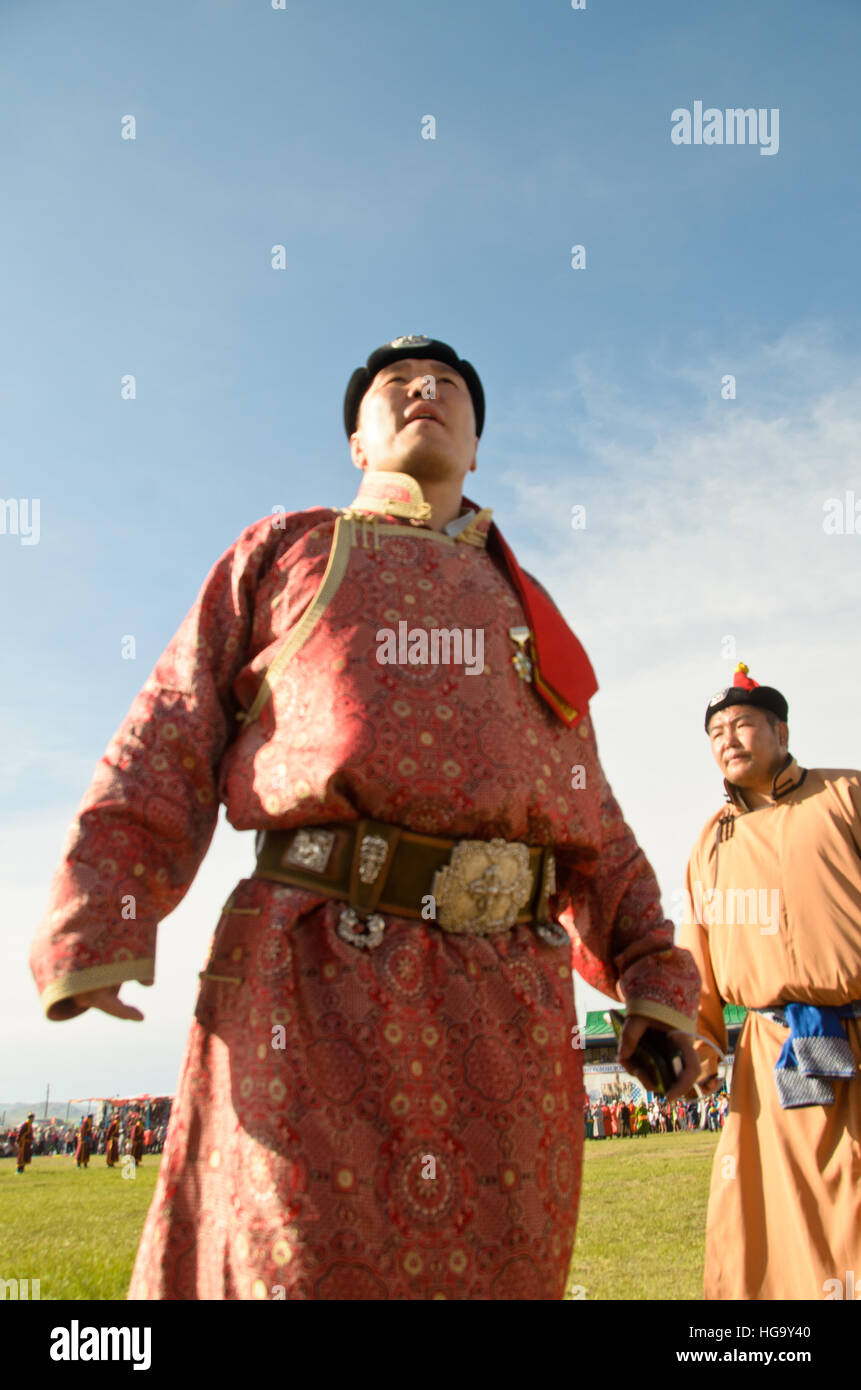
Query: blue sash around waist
point(816, 1052)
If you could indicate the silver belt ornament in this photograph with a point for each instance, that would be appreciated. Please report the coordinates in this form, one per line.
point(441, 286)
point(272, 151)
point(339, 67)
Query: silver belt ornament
point(372, 855)
point(373, 928)
point(483, 889)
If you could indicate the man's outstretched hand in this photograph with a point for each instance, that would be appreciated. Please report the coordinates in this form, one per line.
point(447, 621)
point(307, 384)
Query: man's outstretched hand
point(108, 1000)
point(634, 1028)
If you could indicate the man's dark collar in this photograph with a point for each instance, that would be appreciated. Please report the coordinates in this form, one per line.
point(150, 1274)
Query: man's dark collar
point(788, 776)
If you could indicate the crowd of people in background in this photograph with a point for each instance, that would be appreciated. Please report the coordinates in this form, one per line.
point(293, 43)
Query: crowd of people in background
point(118, 1133)
point(603, 1120)
point(635, 1119)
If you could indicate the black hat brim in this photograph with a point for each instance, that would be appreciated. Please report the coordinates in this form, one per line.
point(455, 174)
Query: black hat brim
point(761, 697)
point(382, 356)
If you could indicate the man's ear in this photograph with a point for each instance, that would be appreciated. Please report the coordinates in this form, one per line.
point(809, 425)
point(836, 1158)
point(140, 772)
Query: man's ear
point(357, 453)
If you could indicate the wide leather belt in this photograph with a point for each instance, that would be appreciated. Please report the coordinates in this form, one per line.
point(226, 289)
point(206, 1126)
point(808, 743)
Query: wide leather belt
point(471, 886)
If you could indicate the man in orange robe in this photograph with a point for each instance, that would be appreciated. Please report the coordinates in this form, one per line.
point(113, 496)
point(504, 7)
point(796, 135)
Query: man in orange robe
point(774, 893)
point(381, 1095)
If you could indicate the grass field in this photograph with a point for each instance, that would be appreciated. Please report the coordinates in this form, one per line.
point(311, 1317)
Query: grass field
point(75, 1230)
point(642, 1226)
point(640, 1235)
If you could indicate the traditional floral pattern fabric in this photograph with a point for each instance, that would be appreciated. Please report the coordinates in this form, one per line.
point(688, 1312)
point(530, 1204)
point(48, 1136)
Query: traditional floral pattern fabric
point(403, 1123)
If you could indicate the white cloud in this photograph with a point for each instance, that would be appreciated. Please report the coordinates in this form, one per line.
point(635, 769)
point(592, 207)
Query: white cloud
point(701, 524)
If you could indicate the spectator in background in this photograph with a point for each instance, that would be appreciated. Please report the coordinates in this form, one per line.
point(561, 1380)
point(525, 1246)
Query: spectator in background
point(25, 1144)
point(137, 1140)
point(112, 1147)
point(82, 1151)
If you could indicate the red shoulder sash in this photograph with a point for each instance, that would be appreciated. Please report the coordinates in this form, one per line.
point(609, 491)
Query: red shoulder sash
point(562, 672)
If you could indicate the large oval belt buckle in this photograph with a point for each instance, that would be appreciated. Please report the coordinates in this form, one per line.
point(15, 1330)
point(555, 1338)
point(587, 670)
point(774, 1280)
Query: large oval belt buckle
point(483, 887)
point(367, 934)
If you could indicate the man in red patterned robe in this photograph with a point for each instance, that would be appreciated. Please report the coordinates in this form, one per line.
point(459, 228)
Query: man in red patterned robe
point(112, 1144)
point(381, 1095)
point(25, 1144)
point(137, 1140)
point(82, 1149)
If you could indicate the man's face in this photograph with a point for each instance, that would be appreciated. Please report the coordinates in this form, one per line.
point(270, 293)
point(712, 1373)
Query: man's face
point(746, 748)
point(416, 417)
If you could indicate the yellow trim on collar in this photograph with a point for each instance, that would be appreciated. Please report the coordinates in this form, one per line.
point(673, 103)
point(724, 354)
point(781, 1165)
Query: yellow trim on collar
point(391, 494)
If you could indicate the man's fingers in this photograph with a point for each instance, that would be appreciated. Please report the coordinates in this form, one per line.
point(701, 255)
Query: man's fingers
point(108, 1000)
point(690, 1073)
point(692, 1068)
point(634, 1028)
point(642, 1078)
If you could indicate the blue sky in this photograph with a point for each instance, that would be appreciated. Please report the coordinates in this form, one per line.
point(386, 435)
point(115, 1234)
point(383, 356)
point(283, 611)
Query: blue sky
point(302, 127)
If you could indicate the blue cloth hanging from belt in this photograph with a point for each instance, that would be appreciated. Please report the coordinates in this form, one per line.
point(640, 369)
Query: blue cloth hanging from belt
point(817, 1049)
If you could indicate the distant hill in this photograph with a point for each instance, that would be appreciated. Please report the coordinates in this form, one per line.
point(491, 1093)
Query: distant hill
point(16, 1111)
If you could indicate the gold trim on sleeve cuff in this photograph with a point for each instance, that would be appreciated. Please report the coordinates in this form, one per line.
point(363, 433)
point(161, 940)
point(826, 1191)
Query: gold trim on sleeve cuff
point(649, 1009)
point(57, 996)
